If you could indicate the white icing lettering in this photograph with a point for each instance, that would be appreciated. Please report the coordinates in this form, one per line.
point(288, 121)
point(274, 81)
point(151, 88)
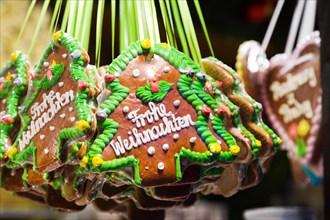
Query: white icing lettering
point(169, 123)
point(52, 101)
point(294, 109)
point(293, 82)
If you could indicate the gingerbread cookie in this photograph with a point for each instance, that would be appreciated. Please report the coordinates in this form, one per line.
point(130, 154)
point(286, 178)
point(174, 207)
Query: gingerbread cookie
point(249, 109)
point(156, 115)
point(56, 112)
point(251, 62)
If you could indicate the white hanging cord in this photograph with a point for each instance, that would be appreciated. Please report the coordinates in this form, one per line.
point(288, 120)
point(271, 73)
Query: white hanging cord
point(294, 26)
point(272, 24)
point(308, 22)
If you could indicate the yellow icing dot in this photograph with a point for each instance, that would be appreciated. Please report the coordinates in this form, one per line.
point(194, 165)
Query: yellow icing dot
point(9, 77)
point(14, 56)
point(235, 149)
point(215, 148)
point(303, 128)
point(53, 63)
point(165, 45)
point(146, 44)
point(279, 140)
point(97, 161)
point(84, 161)
point(82, 125)
point(57, 35)
point(258, 143)
point(11, 152)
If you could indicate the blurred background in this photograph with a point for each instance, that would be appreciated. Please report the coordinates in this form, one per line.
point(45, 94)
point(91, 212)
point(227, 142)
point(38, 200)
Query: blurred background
point(229, 23)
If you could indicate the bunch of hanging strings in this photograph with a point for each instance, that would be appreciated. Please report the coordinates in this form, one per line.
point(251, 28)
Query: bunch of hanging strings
point(136, 20)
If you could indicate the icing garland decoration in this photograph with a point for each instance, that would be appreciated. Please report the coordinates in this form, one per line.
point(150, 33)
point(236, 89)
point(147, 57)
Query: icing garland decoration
point(20, 61)
point(239, 90)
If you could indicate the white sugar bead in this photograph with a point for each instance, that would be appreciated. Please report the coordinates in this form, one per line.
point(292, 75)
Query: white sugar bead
point(136, 73)
point(176, 103)
point(166, 69)
point(126, 109)
point(151, 151)
point(165, 147)
point(193, 139)
point(161, 166)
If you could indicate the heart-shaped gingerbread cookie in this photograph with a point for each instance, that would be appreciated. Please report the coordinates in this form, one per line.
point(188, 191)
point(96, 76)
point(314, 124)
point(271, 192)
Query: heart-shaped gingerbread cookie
point(291, 92)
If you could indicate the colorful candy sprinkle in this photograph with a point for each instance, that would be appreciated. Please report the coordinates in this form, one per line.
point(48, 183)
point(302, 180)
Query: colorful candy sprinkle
point(219, 84)
point(110, 77)
point(215, 148)
point(154, 86)
point(82, 125)
point(7, 119)
point(97, 161)
point(205, 111)
point(11, 152)
point(83, 161)
point(57, 36)
point(234, 149)
point(146, 44)
point(101, 115)
point(75, 55)
point(82, 85)
point(221, 111)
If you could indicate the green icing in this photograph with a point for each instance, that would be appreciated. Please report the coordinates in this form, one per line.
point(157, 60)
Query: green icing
point(14, 93)
point(57, 71)
point(238, 89)
point(24, 155)
point(119, 93)
point(147, 95)
point(123, 162)
point(109, 127)
point(5, 88)
point(217, 122)
point(25, 175)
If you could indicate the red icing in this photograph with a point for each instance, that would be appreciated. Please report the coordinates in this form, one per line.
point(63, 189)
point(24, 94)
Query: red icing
point(49, 74)
point(32, 75)
point(219, 83)
point(206, 111)
point(1, 86)
point(82, 85)
point(220, 111)
point(154, 86)
point(7, 119)
point(110, 77)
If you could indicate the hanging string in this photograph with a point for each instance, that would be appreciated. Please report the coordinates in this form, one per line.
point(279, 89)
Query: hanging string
point(201, 19)
point(272, 24)
point(99, 25)
point(294, 26)
point(27, 16)
point(308, 22)
point(36, 32)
